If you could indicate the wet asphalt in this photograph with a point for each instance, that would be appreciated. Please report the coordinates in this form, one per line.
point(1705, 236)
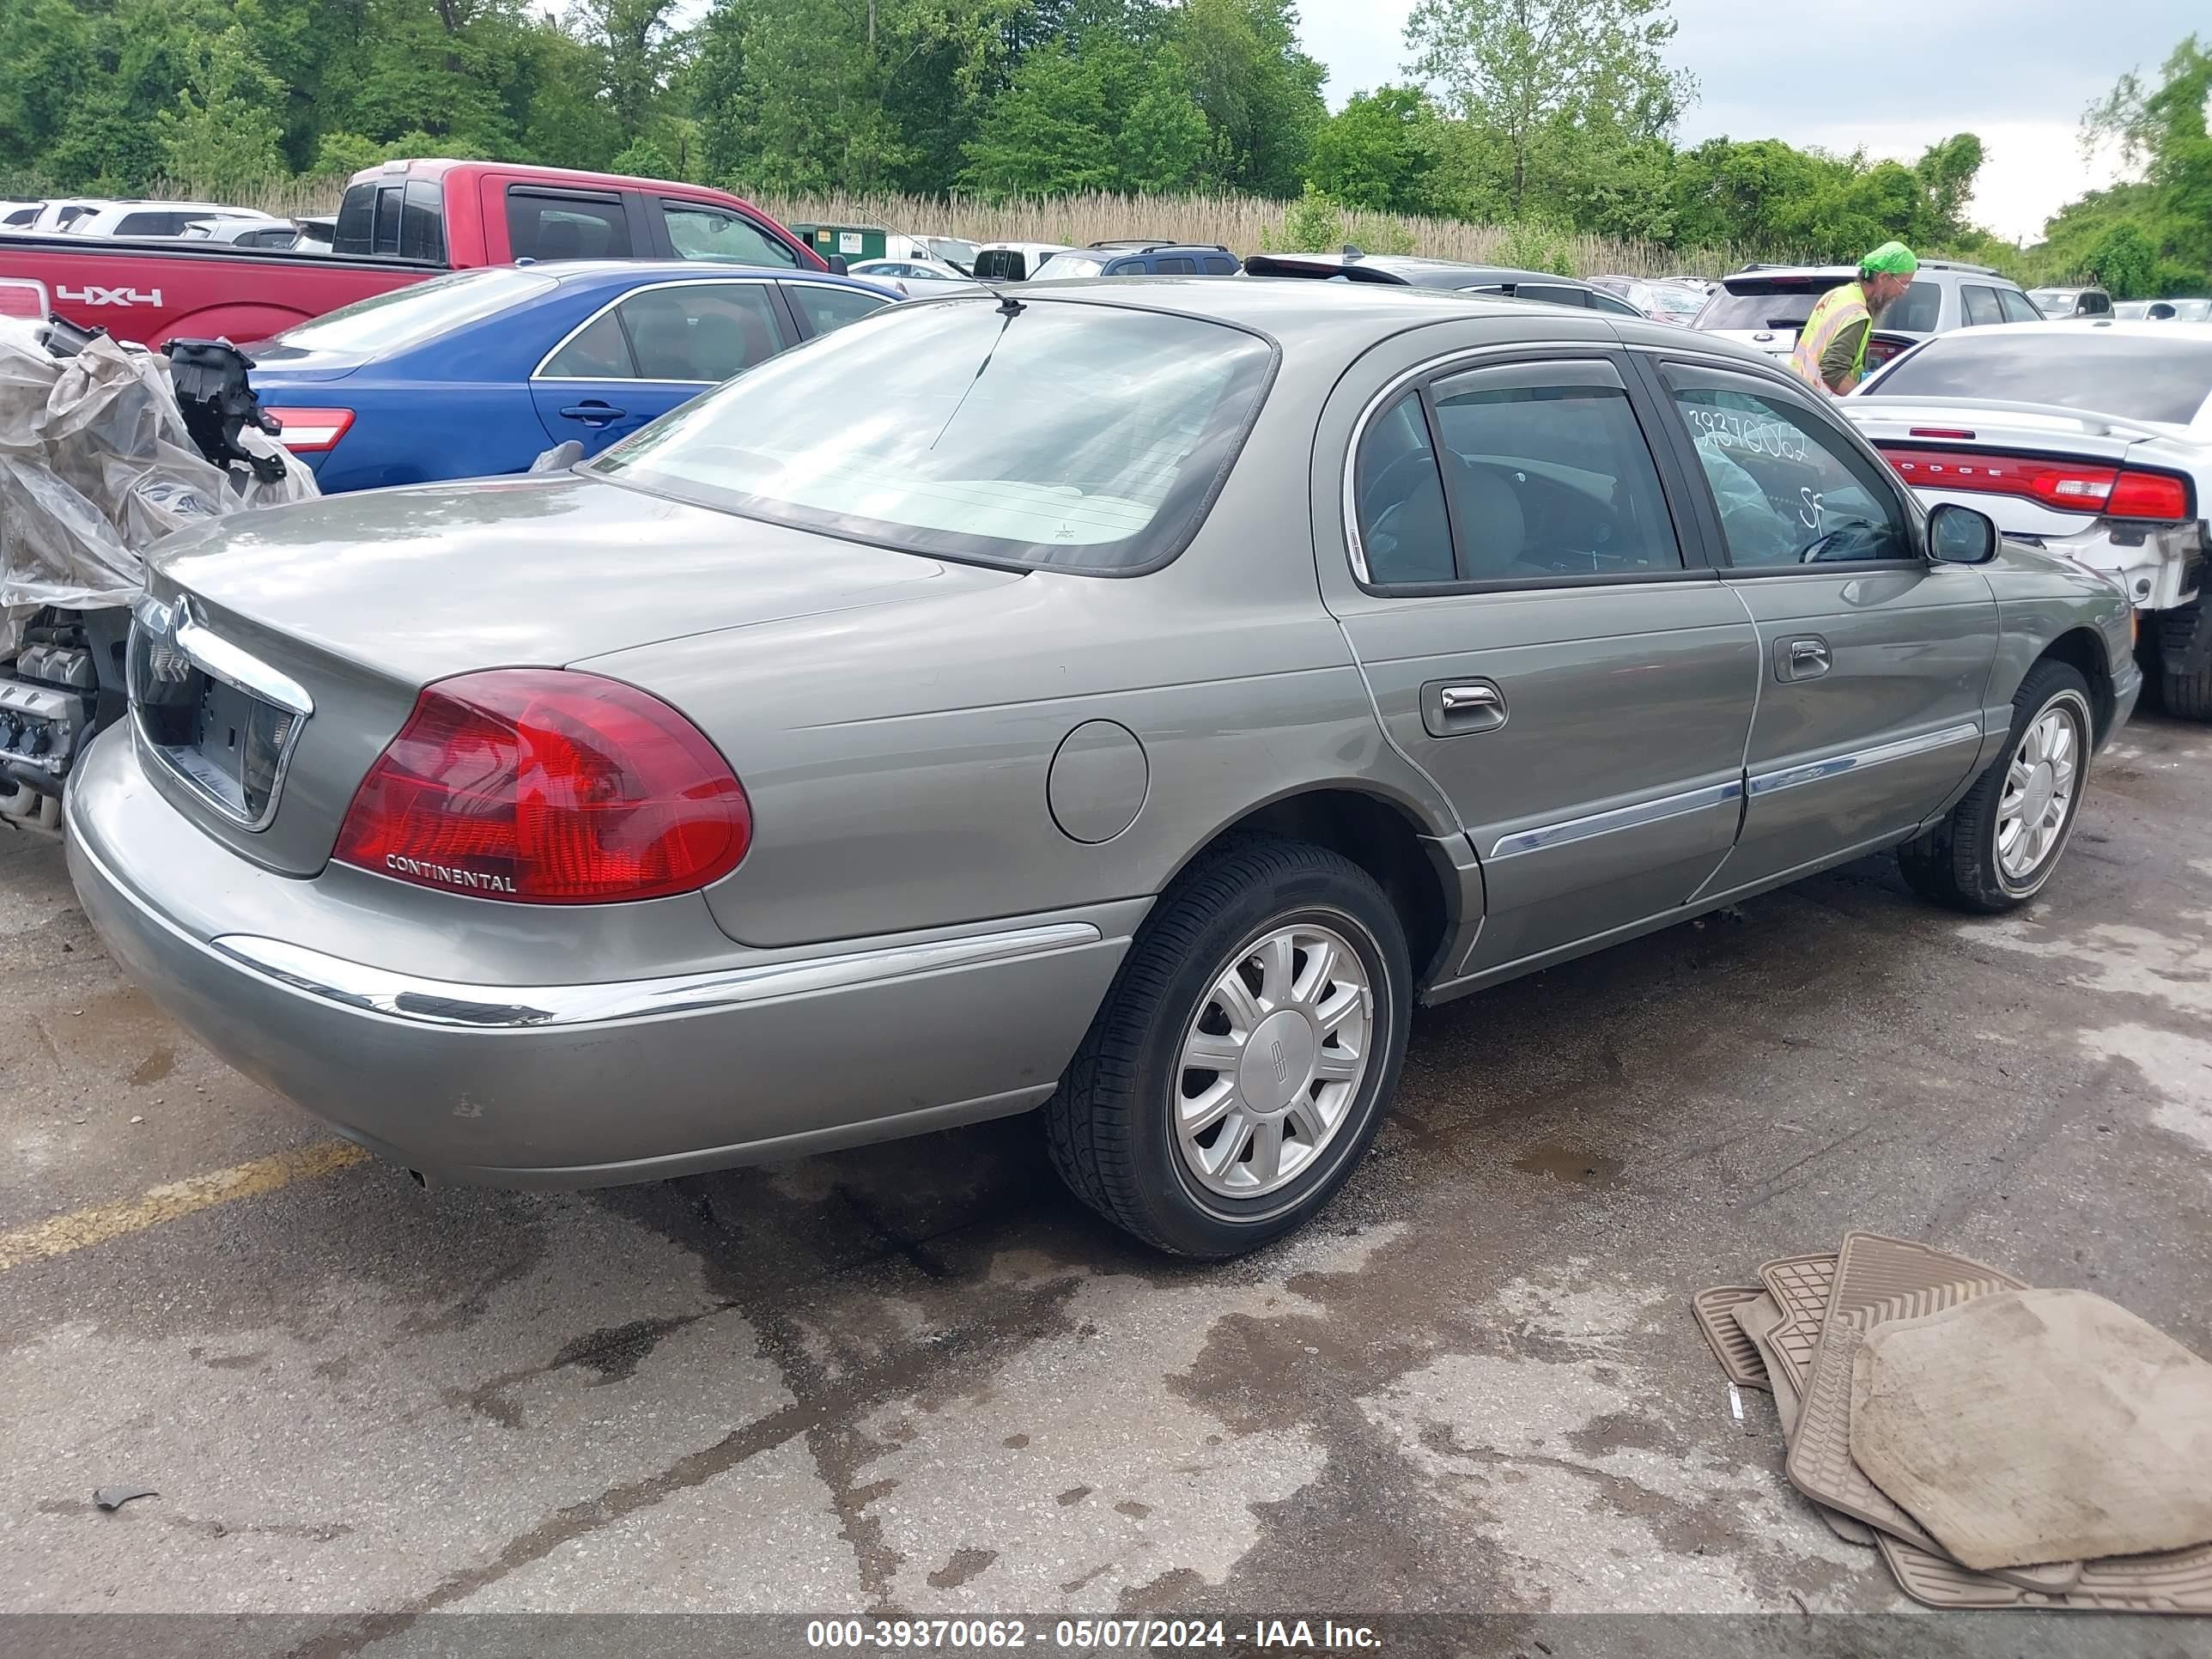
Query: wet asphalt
point(919, 1378)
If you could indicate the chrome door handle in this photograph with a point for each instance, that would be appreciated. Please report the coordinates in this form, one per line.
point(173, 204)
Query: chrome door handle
point(1804, 658)
point(1455, 710)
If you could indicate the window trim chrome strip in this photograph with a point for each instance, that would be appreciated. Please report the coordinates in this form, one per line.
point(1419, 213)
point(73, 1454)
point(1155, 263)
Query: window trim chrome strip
point(1546, 836)
point(1859, 760)
point(423, 1001)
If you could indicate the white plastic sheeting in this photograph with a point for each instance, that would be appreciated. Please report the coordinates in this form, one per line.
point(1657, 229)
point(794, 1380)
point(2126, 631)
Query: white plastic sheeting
point(95, 467)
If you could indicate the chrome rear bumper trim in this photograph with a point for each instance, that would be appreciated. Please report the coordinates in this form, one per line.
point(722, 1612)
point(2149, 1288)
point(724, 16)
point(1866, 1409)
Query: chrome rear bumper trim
point(513, 1007)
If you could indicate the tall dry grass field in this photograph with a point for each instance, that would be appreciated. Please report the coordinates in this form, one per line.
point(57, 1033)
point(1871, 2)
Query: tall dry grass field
point(1242, 223)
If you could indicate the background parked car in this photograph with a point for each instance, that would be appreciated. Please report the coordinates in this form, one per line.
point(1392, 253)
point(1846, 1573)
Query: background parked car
point(161, 218)
point(1352, 265)
point(955, 251)
point(2058, 303)
point(1763, 307)
point(1012, 262)
point(57, 215)
point(244, 233)
point(480, 372)
point(2093, 442)
point(915, 278)
point(1662, 301)
point(2162, 311)
point(1138, 258)
point(18, 215)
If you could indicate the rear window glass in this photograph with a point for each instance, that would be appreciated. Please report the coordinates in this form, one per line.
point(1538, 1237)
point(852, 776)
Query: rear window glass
point(422, 221)
point(408, 316)
point(2164, 379)
point(1003, 265)
point(355, 211)
point(1058, 265)
point(1073, 436)
point(1916, 311)
point(1782, 302)
point(549, 226)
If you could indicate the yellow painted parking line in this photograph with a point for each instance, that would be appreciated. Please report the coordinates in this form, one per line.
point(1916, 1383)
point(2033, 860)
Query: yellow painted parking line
point(60, 1234)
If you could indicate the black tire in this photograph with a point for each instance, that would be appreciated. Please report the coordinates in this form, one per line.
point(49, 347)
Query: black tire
point(1110, 1126)
point(1955, 864)
point(2187, 696)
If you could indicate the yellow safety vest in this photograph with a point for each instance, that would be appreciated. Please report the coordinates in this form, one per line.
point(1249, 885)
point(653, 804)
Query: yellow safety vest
point(1836, 310)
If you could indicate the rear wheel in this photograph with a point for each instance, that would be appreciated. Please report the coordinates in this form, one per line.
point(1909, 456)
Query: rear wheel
point(2187, 696)
point(1240, 1065)
point(2000, 845)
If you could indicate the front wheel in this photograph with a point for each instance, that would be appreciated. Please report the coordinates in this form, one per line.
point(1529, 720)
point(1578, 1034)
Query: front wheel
point(1240, 1066)
point(1999, 847)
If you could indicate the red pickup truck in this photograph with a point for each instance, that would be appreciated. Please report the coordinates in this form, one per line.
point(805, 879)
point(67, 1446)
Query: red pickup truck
point(397, 223)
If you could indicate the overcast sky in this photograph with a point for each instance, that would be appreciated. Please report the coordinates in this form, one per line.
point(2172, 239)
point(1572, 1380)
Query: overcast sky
point(2019, 73)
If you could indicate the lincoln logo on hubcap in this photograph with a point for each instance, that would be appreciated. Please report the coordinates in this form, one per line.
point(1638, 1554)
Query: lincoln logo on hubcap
point(1282, 1066)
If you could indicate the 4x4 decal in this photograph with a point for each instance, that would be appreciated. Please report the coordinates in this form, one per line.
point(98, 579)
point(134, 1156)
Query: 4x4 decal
point(91, 296)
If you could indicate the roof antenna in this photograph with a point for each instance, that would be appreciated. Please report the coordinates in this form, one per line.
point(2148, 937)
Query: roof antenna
point(1354, 251)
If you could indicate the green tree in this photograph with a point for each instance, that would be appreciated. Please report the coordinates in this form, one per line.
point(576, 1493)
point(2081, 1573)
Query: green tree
point(2125, 261)
point(1946, 172)
point(2163, 129)
point(223, 135)
point(1379, 151)
point(635, 46)
point(1528, 70)
point(1260, 93)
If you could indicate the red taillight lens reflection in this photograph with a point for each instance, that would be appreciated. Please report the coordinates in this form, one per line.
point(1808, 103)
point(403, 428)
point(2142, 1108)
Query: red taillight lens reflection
point(2069, 486)
point(548, 787)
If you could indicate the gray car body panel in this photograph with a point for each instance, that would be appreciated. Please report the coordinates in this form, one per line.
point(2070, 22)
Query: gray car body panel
point(1012, 765)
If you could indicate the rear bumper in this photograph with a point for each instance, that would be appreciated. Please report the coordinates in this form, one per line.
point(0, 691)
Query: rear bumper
point(587, 1083)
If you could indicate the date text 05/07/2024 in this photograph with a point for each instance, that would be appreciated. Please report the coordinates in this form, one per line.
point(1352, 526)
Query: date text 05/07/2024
point(1091, 1635)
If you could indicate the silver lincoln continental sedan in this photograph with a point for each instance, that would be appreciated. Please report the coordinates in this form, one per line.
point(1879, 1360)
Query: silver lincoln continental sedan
point(1126, 701)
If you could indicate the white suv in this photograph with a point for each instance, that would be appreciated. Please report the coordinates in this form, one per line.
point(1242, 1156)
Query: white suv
point(1764, 305)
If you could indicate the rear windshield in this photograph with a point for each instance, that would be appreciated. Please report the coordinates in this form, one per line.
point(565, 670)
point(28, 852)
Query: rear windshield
point(1784, 302)
point(1001, 264)
point(1771, 302)
point(1068, 265)
point(2164, 379)
point(1078, 436)
point(408, 316)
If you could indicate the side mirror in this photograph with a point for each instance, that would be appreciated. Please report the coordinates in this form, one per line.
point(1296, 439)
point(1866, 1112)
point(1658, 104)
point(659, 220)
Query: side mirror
point(839, 265)
point(1959, 535)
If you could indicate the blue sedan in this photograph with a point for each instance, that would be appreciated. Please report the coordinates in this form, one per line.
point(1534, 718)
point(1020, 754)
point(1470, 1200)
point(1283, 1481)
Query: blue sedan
point(481, 371)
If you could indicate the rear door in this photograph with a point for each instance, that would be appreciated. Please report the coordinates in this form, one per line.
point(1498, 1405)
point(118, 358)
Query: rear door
point(1546, 643)
point(654, 348)
point(1873, 661)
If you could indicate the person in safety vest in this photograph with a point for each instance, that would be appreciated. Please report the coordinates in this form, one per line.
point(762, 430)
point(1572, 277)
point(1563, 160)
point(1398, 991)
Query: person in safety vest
point(1831, 346)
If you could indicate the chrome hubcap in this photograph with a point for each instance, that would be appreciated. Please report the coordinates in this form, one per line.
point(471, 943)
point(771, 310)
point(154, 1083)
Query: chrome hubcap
point(1273, 1061)
point(2038, 793)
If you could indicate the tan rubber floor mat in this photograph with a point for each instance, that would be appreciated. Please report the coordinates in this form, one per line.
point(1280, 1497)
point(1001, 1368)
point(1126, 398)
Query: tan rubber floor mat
point(1758, 1320)
point(1739, 1359)
point(2177, 1581)
point(1877, 1278)
point(1801, 1286)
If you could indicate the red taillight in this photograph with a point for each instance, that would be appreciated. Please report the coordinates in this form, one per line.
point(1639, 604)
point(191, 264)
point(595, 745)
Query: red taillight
point(2137, 495)
point(310, 431)
point(2067, 486)
point(550, 787)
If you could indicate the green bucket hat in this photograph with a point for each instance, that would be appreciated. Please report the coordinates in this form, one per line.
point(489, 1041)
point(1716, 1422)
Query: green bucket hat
point(1890, 259)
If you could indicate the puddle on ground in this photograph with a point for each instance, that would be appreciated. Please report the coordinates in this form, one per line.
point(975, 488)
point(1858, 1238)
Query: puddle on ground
point(1565, 1163)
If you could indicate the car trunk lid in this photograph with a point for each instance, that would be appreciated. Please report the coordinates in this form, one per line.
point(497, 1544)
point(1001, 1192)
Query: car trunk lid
point(278, 653)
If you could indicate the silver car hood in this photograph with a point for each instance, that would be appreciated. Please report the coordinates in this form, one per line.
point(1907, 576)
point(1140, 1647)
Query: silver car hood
point(417, 583)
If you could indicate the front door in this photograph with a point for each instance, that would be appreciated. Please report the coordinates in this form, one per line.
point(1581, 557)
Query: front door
point(1873, 661)
point(1536, 641)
